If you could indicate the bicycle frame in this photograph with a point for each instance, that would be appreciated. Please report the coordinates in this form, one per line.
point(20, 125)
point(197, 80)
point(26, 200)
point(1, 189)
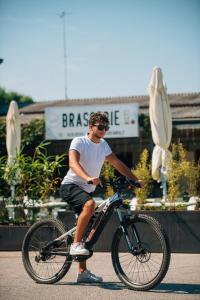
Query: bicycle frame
point(102, 215)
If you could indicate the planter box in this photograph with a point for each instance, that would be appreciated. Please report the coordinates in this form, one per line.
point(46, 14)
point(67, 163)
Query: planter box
point(11, 237)
point(182, 228)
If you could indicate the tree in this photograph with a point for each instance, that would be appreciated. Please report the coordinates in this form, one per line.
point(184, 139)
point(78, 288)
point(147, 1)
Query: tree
point(2, 138)
point(144, 125)
point(7, 97)
point(32, 135)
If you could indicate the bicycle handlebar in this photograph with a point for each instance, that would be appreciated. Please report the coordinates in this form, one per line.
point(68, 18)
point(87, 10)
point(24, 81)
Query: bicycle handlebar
point(134, 183)
point(90, 182)
point(118, 181)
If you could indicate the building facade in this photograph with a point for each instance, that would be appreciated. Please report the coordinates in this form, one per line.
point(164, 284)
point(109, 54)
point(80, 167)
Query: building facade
point(185, 109)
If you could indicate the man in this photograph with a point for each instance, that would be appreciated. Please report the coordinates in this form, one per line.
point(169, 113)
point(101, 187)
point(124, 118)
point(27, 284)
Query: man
point(86, 157)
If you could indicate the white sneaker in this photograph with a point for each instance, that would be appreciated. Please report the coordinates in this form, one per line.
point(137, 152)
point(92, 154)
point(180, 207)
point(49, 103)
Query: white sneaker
point(78, 249)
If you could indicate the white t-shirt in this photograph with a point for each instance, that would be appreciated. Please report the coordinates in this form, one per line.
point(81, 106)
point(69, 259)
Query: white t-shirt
point(92, 157)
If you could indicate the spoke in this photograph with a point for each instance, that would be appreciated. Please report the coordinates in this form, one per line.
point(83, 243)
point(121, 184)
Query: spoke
point(31, 246)
point(137, 270)
point(34, 239)
point(133, 267)
point(124, 260)
point(129, 264)
point(151, 265)
point(155, 262)
point(149, 268)
point(124, 254)
point(144, 273)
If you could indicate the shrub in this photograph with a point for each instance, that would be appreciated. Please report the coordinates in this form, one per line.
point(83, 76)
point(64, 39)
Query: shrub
point(108, 174)
point(36, 177)
point(4, 186)
point(184, 175)
point(143, 172)
point(32, 135)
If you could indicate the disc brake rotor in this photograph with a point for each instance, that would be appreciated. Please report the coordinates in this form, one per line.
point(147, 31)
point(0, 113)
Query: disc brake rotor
point(143, 254)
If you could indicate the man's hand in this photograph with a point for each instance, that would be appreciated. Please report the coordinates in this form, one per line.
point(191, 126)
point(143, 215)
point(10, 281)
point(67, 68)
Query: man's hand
point(94, 180)
point(141, 183)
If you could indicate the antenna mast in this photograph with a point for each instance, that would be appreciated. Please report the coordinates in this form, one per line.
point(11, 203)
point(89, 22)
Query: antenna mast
point(63, 17)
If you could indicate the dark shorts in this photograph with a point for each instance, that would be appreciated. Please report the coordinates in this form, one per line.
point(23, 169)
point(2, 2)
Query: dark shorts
point(74, 196)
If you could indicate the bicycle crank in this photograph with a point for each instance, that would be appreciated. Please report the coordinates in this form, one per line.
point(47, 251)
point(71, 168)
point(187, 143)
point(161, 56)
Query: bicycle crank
point(80, 258)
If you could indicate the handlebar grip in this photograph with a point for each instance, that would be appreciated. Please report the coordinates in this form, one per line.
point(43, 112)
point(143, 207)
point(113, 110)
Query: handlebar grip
point(135, 183)
point(90, 182)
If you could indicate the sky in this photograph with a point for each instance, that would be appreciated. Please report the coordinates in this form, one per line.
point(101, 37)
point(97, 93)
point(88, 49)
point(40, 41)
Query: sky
point(112, 47)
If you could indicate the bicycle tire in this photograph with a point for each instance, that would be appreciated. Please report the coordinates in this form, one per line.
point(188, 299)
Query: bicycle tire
point(28, 257)
point(142, 223)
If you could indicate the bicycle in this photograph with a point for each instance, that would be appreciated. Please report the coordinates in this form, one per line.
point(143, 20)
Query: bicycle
point(140, 248)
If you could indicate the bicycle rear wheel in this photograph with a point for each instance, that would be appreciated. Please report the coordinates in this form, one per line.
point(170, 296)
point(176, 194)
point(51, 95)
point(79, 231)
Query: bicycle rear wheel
point(42, 266)
point(146, 265)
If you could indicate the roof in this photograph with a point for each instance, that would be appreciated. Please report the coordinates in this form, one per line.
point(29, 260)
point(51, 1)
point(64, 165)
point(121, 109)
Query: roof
point(183, 106)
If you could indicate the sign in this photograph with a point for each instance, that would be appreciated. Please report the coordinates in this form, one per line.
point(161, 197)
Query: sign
point(67, 122)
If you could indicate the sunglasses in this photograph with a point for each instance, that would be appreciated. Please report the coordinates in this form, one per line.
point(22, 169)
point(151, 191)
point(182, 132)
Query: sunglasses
point(102, 127)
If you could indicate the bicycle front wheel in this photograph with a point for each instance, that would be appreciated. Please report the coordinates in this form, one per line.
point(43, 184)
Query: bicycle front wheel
point(146, 264)
point(45, 266)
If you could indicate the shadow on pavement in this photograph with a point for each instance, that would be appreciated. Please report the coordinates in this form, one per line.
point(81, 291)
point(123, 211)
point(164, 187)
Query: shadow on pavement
point(174, 288)
point(104, 285)
point(177, 288)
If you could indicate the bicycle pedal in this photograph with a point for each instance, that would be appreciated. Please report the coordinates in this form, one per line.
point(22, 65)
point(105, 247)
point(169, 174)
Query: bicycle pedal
point(80, 258)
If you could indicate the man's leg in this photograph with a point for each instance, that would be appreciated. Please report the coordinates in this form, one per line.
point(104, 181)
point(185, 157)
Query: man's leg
point(83, 220)
point(82, 267)
point(84, 275)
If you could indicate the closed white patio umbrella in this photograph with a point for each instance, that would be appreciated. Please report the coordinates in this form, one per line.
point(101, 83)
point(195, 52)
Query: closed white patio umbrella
point(161, 127)
point(13, 136)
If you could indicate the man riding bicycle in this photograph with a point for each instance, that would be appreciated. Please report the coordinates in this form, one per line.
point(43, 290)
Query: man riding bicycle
point(86, 157)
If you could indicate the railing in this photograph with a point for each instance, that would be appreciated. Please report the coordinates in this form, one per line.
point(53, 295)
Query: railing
point(150, 203)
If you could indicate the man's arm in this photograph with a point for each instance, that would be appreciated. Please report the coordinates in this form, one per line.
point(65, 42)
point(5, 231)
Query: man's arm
point(120, 166)
point(74, 158)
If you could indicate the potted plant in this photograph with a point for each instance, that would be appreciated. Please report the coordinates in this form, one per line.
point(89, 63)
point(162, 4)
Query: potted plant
point(143, 172)
point(184, 175)
point(37, 178)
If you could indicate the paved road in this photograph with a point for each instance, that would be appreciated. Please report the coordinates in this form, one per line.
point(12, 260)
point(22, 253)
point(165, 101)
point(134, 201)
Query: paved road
point(181, 282)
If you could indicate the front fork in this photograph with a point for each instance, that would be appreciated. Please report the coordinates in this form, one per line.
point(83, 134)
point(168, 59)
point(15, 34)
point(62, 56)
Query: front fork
point(135, 249)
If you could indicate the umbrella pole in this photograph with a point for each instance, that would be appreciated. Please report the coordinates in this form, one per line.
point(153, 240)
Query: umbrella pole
point(163, 179)
point(12, 192)
point(12, 188)
point(164, 187)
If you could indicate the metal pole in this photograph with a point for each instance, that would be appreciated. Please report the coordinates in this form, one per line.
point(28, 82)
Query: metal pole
point(164, 185)
point(63, 17)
